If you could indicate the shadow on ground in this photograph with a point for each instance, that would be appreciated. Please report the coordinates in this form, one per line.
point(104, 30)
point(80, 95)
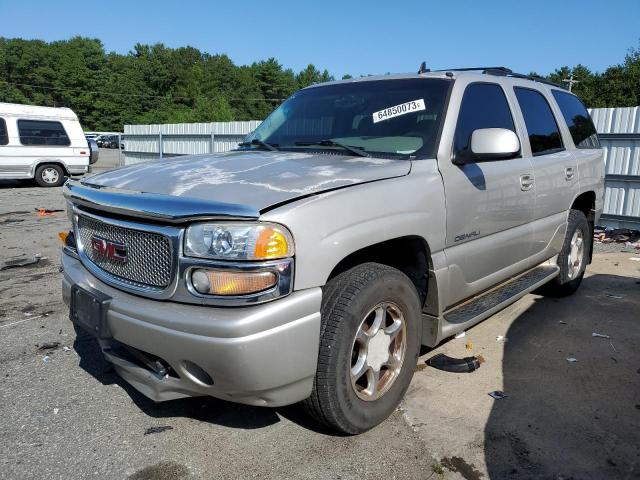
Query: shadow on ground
point(566, 419)
point(206, 409)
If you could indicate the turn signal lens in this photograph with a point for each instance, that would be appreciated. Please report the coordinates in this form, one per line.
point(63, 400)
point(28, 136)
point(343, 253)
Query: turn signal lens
point(221, 282)
point(271, 243)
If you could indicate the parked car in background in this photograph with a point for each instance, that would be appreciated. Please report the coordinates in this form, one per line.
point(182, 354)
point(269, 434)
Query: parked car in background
point(362, 219)
point(109, 141)
point(43, 143)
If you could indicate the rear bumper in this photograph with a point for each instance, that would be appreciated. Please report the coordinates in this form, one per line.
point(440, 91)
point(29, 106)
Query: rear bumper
point(258, 355)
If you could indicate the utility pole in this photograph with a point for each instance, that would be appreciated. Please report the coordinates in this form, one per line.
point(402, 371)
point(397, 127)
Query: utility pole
point(570, 81)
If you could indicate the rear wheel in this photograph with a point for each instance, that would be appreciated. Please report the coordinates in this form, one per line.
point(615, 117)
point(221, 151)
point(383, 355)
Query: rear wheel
point(369, 345)
point(573, 257)
point(49, 175)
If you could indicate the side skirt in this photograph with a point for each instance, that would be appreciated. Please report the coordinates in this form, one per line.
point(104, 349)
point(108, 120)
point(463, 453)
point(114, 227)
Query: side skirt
point(477, 308)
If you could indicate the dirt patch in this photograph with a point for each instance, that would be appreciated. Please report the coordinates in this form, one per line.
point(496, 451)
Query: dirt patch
point(161, 471)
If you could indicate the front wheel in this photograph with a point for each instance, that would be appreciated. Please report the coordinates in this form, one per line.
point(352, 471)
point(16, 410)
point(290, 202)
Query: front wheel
point(369, 344)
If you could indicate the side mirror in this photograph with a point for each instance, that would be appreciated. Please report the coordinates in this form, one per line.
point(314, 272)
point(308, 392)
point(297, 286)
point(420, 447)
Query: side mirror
point(491, 144)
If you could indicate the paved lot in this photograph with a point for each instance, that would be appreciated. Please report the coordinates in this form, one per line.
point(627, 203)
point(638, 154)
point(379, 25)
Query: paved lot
point(64, 414)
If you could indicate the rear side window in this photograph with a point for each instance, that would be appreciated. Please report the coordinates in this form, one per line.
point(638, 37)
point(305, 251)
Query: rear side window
point(544, 135)
point(484, 105)
point(578, 120)
point(37, 132)
point(4, 136)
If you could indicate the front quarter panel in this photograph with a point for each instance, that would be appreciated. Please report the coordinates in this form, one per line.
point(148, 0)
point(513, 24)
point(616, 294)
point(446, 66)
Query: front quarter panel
point(329, 227)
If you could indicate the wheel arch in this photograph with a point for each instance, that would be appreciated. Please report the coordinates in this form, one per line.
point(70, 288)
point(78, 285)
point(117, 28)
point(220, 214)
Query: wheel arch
point(586, 203)
point(43, 162)
point(410, 254)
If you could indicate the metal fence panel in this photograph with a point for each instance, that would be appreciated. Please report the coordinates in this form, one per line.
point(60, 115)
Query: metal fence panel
point(619, 130)
point(151, 142)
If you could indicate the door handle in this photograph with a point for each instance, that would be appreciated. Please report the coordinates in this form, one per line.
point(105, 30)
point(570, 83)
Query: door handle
point(569, 173)
point(526, 182)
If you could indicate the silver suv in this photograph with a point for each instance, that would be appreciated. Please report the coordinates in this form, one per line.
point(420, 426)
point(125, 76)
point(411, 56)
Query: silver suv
point(362, 219)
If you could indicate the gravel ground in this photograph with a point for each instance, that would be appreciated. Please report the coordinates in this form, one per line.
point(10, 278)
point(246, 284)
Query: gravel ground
point(65, 414)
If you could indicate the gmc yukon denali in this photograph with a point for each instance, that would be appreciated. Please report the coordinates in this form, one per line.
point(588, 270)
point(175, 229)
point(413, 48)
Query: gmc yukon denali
point(362, 219)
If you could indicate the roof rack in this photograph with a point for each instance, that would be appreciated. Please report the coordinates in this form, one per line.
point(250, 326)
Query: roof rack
point(503, 72)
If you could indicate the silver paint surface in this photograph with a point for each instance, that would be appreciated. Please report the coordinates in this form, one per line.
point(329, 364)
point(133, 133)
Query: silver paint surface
point(255, 179)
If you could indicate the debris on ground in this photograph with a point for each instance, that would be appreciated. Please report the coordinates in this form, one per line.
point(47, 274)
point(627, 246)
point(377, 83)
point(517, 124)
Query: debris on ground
point(630, 238)
point(498, 395)
point(55, 411)
point(45, 212)
point(21, 262)
point(420, 367)
point(46, 359)
point(501, 338)
point(461, 334)
point(572, 360)
point(614, 296)
point(455, 365)
point(600, 335)
point(152, 430)
point(562, 322)
point(48, 346)
point(469, 345)
point(66, 349)
point(635, 259)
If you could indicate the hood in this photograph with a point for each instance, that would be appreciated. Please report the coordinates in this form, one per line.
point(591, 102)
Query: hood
point(255, 179)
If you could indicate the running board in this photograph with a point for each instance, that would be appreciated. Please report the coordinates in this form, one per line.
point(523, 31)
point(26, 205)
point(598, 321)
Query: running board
point(486, 304)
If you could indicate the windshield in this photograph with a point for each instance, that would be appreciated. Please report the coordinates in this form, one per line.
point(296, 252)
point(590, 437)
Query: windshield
point(390, 117)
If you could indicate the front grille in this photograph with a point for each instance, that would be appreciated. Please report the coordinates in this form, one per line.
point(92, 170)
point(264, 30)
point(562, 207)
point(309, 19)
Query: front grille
point(149, 261)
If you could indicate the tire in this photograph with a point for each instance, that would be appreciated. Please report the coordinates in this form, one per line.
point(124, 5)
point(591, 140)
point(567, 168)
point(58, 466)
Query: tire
point(49, 175)
point(570, 277)
point(352, 303)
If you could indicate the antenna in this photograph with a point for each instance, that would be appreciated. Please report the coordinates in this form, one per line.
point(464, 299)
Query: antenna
point(423, 68)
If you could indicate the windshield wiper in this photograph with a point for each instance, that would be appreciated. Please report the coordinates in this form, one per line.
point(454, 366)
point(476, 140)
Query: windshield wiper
point(330, 143)
point(257, 141)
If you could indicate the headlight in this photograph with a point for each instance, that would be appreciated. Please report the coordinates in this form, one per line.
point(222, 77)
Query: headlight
point(238, 241)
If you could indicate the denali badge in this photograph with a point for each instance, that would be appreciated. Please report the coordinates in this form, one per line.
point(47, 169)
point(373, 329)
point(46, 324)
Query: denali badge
point(466, 236)
point(114, 251)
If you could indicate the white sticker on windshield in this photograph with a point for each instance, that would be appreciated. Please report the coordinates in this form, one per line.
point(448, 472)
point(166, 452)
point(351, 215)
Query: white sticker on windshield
point(397, 110)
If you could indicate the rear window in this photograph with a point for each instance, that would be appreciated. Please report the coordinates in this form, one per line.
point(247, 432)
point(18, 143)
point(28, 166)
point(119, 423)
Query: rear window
point(578, 120)
point(4, 136)
point(544, 135)
point(37, 132)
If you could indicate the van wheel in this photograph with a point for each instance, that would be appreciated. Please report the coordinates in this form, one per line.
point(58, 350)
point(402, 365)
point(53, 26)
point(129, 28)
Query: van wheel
point(573, 257)
point(49, 175)
point(369, 344)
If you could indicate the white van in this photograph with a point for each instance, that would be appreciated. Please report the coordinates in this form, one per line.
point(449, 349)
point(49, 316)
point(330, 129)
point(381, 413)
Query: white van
point(43, 143)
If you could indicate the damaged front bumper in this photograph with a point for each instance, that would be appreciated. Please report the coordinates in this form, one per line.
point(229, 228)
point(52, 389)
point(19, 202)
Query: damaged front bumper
point(258, 355)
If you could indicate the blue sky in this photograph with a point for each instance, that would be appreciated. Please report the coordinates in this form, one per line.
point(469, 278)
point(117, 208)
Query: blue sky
point(356, 37)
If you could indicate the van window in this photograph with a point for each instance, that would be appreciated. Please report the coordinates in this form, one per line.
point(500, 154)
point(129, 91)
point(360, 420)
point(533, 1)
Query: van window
point(484, 105)
point(4, 136)
point(38, 132)
point(544, 135)
point(578, 120)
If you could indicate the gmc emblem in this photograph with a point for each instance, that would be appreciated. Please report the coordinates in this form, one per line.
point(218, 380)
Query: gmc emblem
point(114, 251)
